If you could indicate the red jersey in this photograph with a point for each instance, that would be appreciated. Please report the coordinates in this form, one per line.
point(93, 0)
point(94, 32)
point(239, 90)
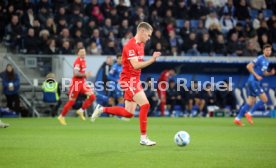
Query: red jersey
point(131, 50)
point(165, 75)
point(80, 65)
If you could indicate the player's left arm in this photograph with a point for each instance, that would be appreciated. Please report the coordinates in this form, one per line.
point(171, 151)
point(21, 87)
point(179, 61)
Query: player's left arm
point(272, 72)
point(140, 65)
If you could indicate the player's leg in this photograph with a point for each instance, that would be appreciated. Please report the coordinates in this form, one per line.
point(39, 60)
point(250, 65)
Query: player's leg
point(73, 94)
point(202, 105)
point(245, 108)
point(260, 103)
point(141, 99)
point(127, 112)
point(90, 99)
point(163, 100)
point(3, 125)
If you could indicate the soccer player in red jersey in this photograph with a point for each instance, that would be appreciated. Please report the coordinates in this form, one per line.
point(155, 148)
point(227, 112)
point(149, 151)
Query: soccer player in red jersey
point(132, 62)
point(78, 85)
point(161, 89)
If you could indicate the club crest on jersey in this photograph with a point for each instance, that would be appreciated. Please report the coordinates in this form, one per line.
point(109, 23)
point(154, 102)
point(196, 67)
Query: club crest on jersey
point(131, 53)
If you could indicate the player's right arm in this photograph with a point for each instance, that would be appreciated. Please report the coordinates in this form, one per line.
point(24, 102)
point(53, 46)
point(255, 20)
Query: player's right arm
point(250, 68)
point(140, 65)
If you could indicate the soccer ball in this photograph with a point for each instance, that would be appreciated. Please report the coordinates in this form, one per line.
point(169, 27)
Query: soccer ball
point(182, 138)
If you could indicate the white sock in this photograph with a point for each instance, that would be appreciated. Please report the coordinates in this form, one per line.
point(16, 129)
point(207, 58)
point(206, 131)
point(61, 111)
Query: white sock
point(143, 136)
point(81, 110)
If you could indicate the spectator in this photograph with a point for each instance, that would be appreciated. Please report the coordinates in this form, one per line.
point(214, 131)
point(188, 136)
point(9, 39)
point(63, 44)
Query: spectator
point(13, 32)
point(43, 14)
point(97, 39)
point(36, 26)
point(173, 40)
point(255, 44)
point(152, 97)
point(210, 99)
point(195, 97)
point(264, 40)
point(61, 14)
point(227, 22)
point(125, 39)
point(96, 12)
point(44, 36)
point(242, 11)
point(113, 78)
point(51, 93)
point(93, 50)
point(144, 5)
point(51, 26)
point(197, 10)
point(258, 4)
point(169, 19)
point(205, 46)
point(211, 20)
point(31, 42)
point(237, 29)
point(257, 21)
point(110, 49)
point(226, 97)
point(235, 46)
point(190, 43)
point(219, 46)
point(51, 49)
point(139, 16)
point(91, 26)
point(200, 29)
point(107, 27)
point(157, 7)
point(11, 86)
point(106, 7)
point(185, 30)
point(105, 68)
point(75, 16)
point(124, 28)
point(250, 50)
point(263, 29)
point(66, 48)
point(90, 6)
point(114, 17)
point(228, 8)
point(65, 36)
point(181, 6)
point(214, 31)
point(159, 38)
point(172, 97)
point(28, 17)
point(155, 19)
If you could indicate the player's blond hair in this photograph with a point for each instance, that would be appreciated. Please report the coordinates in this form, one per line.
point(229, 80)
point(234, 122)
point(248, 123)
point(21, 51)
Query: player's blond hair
point(144, 25)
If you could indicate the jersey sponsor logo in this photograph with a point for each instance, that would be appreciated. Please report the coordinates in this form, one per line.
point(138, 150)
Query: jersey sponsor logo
point(131, 53)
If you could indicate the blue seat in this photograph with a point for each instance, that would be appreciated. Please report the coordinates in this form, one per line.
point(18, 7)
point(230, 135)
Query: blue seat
point(268, 13)
point(253, 13)
point(179, 23)
point(194, 24)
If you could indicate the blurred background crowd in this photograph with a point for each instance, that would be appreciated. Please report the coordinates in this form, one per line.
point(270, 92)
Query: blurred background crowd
point(181, 27)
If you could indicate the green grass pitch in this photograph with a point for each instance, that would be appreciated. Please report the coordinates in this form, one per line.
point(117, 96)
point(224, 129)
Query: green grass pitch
point(113, 143)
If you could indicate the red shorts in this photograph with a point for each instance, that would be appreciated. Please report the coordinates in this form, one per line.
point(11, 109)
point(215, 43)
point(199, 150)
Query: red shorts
point(77, 87)
point(130, 89)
